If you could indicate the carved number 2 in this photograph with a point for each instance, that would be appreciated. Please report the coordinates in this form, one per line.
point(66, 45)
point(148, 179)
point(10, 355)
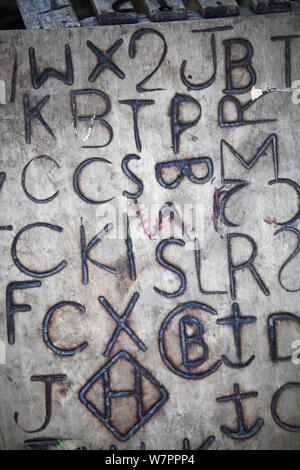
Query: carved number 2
point(133, 50)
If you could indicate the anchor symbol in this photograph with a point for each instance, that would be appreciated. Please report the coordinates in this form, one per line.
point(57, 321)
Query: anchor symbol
point(243, 432)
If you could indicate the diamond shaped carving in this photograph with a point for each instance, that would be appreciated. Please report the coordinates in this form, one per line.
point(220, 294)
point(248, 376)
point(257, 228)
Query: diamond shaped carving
point(143, 411)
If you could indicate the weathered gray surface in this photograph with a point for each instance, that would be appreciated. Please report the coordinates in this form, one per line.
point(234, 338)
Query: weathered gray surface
point(91, 21)
point(270, 6)
point(170, 10)
point(192, 410)
point(47, 14)
point(107, 14)
point(218, 9)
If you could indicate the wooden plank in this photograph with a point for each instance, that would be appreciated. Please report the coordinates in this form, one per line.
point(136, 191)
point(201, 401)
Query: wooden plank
point(47, 14)
point(270, 6)
point(218, 8)
point(91, 21)
point(180, 242)
point(165, 10)
point(114, 12)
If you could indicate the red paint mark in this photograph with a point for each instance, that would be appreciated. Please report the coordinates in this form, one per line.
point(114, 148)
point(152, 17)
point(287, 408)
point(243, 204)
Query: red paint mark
point(144, 221)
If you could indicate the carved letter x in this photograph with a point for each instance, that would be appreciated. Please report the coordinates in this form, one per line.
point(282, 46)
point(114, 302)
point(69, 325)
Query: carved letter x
point(104, 60)
point(121, 323)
